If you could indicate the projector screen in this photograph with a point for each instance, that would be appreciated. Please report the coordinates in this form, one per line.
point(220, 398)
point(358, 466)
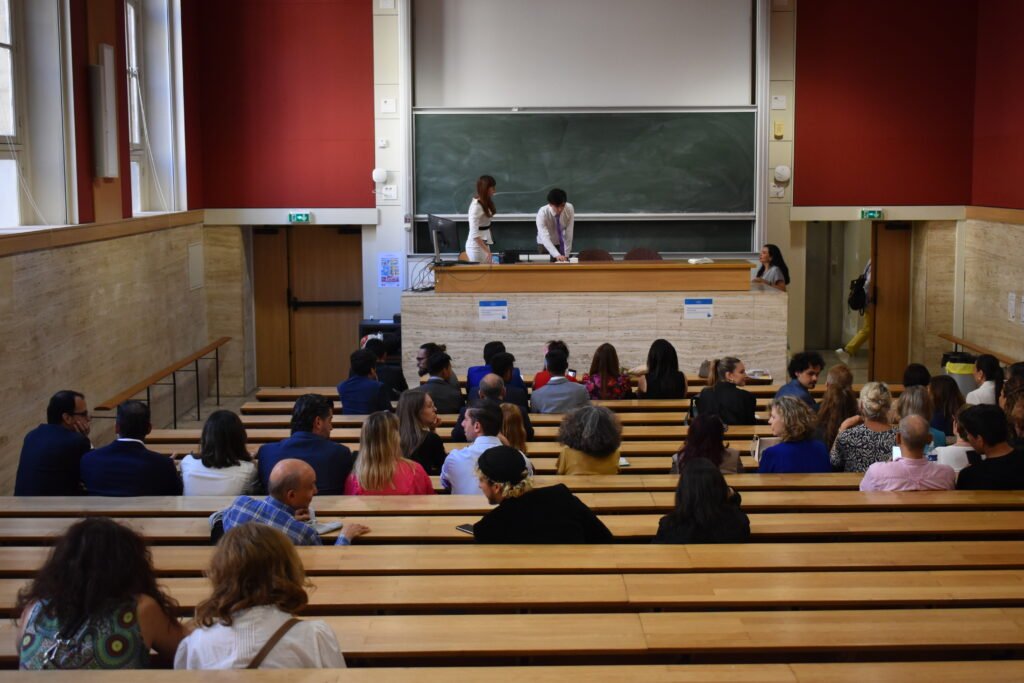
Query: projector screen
point(583, 53)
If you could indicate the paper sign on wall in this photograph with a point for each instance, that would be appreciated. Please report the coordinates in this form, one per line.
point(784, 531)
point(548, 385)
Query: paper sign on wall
point(698, 309)
point(493, 310)
point(1020, 302)
point(389, 270)
point(1011, 307)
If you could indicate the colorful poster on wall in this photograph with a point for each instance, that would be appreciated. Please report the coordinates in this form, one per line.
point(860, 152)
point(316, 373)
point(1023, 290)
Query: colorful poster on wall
point(389, 270)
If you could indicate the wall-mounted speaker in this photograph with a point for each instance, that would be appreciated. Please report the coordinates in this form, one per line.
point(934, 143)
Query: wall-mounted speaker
point(103, 87)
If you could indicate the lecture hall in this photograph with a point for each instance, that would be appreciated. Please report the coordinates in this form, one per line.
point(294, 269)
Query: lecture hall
point(421, 340)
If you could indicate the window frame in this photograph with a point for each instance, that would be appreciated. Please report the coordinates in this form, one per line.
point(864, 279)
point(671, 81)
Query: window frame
point(138, 152)
point(15, 147)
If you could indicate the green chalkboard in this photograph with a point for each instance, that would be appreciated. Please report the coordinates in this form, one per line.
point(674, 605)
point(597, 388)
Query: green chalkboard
point(652, 163)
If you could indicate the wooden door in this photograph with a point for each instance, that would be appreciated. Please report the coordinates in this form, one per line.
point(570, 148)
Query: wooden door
point(326, 285)
point(890, 333)
point(270, 297)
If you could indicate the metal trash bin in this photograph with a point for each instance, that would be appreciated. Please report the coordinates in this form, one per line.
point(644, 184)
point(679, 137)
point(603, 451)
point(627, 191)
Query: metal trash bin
point(960, 366)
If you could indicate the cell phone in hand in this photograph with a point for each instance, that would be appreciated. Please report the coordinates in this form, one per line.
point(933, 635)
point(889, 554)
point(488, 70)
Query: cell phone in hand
point(570, 373)
point(465, 528)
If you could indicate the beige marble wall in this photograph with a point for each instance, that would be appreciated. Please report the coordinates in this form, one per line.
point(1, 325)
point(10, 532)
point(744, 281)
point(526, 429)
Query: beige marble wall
point(229, 311)
point(97, 318)
point(751, 325)
point(993, 267)
point(933, 256)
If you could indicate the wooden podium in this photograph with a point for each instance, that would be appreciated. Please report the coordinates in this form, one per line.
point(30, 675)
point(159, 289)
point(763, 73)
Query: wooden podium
point(604, 276)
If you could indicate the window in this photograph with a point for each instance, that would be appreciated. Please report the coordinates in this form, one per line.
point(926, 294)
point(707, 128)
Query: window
point(9, 195)
point(136, 137)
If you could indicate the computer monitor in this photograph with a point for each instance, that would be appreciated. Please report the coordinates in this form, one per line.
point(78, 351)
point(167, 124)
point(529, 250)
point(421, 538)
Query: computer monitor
point(444, 234)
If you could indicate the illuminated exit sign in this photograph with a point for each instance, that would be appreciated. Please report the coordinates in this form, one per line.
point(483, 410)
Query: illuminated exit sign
point(298, 217)
point(871, 214)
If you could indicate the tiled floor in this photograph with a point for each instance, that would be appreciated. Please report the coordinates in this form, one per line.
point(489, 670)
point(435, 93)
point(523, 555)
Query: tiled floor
point(233, 403)
point(858, 364)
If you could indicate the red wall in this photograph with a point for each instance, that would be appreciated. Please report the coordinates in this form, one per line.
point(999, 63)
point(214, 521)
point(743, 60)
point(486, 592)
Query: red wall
point(999, 106)
point(283, 98)
point(884, 102)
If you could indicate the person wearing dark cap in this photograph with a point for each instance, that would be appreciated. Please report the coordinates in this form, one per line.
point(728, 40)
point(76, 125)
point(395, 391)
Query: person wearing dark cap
point(527, 515)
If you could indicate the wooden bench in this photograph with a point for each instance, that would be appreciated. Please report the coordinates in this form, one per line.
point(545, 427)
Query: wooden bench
point(625, 527)
point(723, 634)
point(681, 406)
point(171, 371)
point(278, 414)
point(958, 341)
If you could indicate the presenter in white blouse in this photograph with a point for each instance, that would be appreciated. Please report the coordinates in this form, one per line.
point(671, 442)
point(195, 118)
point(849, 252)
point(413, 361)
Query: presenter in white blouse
point(481, 210)
point(554, 226)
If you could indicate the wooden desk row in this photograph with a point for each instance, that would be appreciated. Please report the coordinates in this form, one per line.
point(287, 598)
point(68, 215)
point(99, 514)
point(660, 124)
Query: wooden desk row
point(278, 414)
point(621, 502)
point(653, 405)
point(625, 527)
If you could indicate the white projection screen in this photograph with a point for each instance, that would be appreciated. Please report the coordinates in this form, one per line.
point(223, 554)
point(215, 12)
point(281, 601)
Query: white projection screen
point(583, 53)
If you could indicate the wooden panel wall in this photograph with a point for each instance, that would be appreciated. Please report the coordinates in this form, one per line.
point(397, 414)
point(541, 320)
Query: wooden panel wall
point(932, 288)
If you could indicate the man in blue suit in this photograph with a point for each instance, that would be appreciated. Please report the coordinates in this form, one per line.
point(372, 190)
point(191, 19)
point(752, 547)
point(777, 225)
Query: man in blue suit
point(311, 442)
point(477, 372)
point(52, 452)
point(126, 467)
point(361, 393)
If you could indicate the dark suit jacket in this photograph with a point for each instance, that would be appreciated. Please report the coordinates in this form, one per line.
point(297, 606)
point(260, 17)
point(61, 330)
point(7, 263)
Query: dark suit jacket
point(546, 515)
point(459, 434)
point(729, 402)
point(331, 461)
point(128, 468)
point(447, 398)
point(517, 396)
point(392, 377)
point(362, 396)
point(50, 457)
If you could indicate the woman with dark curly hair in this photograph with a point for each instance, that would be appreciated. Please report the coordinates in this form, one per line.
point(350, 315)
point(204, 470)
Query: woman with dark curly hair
point(95, 604)
point(590, 438)
point(706, 440)
point(249, 621)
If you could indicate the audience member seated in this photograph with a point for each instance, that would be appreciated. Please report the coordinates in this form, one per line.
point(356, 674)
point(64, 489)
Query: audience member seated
point(361, 393)
point(800, 450)
point(946, 401)
point(292, 487)
point(512, 427)
point(1015, 370)
point(868, 437)
point(424, 353)
point(1012, 403)
point(706, 511)
point(558, 395)
point(803, 371)
point(51, 453)
point(542, 377)
point(723, 396)
point(527, 515)
point(590, 438)
point(380, 469)
point(503, 365)
point(916, 375)
point(662, 378)
point(1016, 420)
point(482, 424)
point(224, 466)
point(311, 443)
point(95, 604)
point(249, 621)
point(988, 373)
point(915, 400)
point(705, 440)
point(126, 467)
point(912, 471)
point(606, 381)
point(391, 376)
point(447, 396)
point(476, 373)
point(956, 455)
point(986, 431)
point(417, 420)
point(837, 405)
point(492, 388)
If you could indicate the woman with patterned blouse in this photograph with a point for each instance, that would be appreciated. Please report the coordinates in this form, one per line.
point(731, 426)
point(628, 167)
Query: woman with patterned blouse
point(606, 379)
point(870, 441)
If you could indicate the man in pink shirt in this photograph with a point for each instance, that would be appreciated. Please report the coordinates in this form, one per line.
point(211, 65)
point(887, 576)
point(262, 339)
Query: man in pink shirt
point(912, 472)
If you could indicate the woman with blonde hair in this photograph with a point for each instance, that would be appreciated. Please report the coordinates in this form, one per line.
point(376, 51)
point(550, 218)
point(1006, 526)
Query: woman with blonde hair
point(856, 448)
point(590, 437)
point(417, 419)
point(794, 422)
point(837, 405)
point(248, 622)
point(380, 469)
point(915, 400)
point(512, 426)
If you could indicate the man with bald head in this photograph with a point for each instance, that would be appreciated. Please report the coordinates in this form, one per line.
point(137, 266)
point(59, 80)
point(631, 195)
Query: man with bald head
point(292, 486)
point(491, 388)
point(911, 472)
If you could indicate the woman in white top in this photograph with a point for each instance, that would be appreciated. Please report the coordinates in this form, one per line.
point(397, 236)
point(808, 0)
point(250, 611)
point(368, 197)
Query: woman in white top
point(988, 373)
point(224, 466)
point(773, 270)
point(481, 210)
point(956, 455)
point(258, 586)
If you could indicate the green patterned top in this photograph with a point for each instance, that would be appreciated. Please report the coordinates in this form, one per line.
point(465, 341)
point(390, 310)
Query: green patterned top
point(110, 640)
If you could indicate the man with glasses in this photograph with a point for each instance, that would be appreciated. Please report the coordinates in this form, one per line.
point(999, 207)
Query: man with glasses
point(51, 452)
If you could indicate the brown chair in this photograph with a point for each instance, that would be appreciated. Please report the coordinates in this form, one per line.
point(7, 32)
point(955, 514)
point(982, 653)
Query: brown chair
point(595, 255)
point(642, 254)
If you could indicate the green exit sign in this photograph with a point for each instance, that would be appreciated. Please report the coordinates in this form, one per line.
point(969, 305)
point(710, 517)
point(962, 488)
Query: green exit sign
point(298, 216)
point(871, 214)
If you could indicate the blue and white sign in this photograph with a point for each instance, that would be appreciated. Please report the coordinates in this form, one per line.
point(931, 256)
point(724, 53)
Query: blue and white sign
point(698, 309)
point(493, 310)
